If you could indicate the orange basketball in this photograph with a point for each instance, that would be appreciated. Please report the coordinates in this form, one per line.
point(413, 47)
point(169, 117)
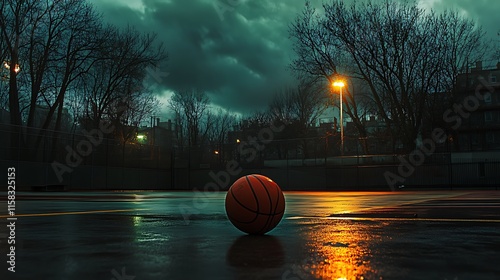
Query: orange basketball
point(255, 204)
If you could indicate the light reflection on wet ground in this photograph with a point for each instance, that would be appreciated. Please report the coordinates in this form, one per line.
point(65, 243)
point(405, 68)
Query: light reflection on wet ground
point(347, 235)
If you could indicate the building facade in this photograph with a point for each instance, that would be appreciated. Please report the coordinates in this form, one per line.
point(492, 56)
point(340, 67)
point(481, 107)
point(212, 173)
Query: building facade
point(478, 93)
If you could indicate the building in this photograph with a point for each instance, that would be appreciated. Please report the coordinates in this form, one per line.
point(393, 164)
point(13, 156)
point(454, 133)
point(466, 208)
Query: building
point(478, 93)
point(160, 134)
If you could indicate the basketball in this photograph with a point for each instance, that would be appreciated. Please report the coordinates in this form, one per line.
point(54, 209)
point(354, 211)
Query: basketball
point(255, 204)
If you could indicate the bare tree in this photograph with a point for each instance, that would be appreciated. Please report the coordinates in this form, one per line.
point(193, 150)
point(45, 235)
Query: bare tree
point(299, 108)
point(282, 106)
point(50, 42)
point(222, 122)
point(302, 104)
point(309, 103)
point(402, 53)
point(62, 48)
point(191, 108)
point(115, 81)
point(15, 19)
point(257, 120)
point(4, 75)
point(62, 51)
point(136, 105)
point(322, 59)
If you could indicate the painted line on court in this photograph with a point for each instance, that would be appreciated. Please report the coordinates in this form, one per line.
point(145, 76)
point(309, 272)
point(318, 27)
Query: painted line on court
point(73, 213)
point(399, 204)
point(396, 219)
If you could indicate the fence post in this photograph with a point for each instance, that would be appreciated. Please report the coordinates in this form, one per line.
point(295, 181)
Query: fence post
point(450, 171)
point(106, 163)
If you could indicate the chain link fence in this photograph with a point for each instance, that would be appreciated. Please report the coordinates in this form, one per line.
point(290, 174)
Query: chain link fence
point(89, 161)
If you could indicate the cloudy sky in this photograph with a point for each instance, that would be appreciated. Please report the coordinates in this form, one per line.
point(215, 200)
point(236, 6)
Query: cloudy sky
point(238, 50)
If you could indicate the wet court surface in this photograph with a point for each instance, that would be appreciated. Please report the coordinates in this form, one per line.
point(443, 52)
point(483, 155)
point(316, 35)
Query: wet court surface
point(323, 235)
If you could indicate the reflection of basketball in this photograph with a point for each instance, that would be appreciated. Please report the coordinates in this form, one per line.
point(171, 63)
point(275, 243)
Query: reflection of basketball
point(256, 252)
point(255, 204)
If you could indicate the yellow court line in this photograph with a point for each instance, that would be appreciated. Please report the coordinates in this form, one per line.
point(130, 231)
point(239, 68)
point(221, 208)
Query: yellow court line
point(397, 219)
point(70, 213)
point(395, 205)
point(415, 219)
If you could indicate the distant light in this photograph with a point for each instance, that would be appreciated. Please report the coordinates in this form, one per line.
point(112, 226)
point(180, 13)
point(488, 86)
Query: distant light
point(141, 137)
point(216, 152)
point(338, 84)
point(238, 141)
point(7, 66)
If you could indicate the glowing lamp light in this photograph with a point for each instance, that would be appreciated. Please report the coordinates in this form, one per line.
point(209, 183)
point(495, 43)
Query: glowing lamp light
point(7, 66)
point(141, 137)
point(338, 84)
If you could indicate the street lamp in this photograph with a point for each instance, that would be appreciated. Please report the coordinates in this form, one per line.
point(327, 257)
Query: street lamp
point(6, 64)
point(340, 84)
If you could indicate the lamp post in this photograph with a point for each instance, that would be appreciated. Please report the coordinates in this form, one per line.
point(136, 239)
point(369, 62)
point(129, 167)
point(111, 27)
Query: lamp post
point(341, 84)
point(6, 65)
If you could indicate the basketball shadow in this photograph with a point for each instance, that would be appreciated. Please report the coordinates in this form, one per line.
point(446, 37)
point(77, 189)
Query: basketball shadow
point(257, 251)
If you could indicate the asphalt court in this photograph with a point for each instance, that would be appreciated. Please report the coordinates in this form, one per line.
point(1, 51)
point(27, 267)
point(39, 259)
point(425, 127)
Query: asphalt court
point(323, 235)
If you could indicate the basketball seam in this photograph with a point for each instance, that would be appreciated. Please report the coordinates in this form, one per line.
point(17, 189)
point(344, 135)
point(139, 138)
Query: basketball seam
point(269, 217)
point(250, 210)
point(268, 214)
point(255, 196)
point(278, 190)
point(253, 192)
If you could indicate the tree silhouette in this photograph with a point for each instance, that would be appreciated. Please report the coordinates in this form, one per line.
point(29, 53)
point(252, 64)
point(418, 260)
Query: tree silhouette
point(401, 52)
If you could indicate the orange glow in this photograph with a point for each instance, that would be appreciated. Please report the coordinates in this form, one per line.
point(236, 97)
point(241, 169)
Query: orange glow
point(7, 66)
point(338, 84)
point(339, 251)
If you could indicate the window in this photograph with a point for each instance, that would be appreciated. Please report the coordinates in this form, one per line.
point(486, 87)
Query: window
point(493, 79)
point(488, 116)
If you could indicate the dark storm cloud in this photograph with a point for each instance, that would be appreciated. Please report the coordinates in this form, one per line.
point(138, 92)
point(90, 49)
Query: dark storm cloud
point(239, 53)
point(484, 12)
